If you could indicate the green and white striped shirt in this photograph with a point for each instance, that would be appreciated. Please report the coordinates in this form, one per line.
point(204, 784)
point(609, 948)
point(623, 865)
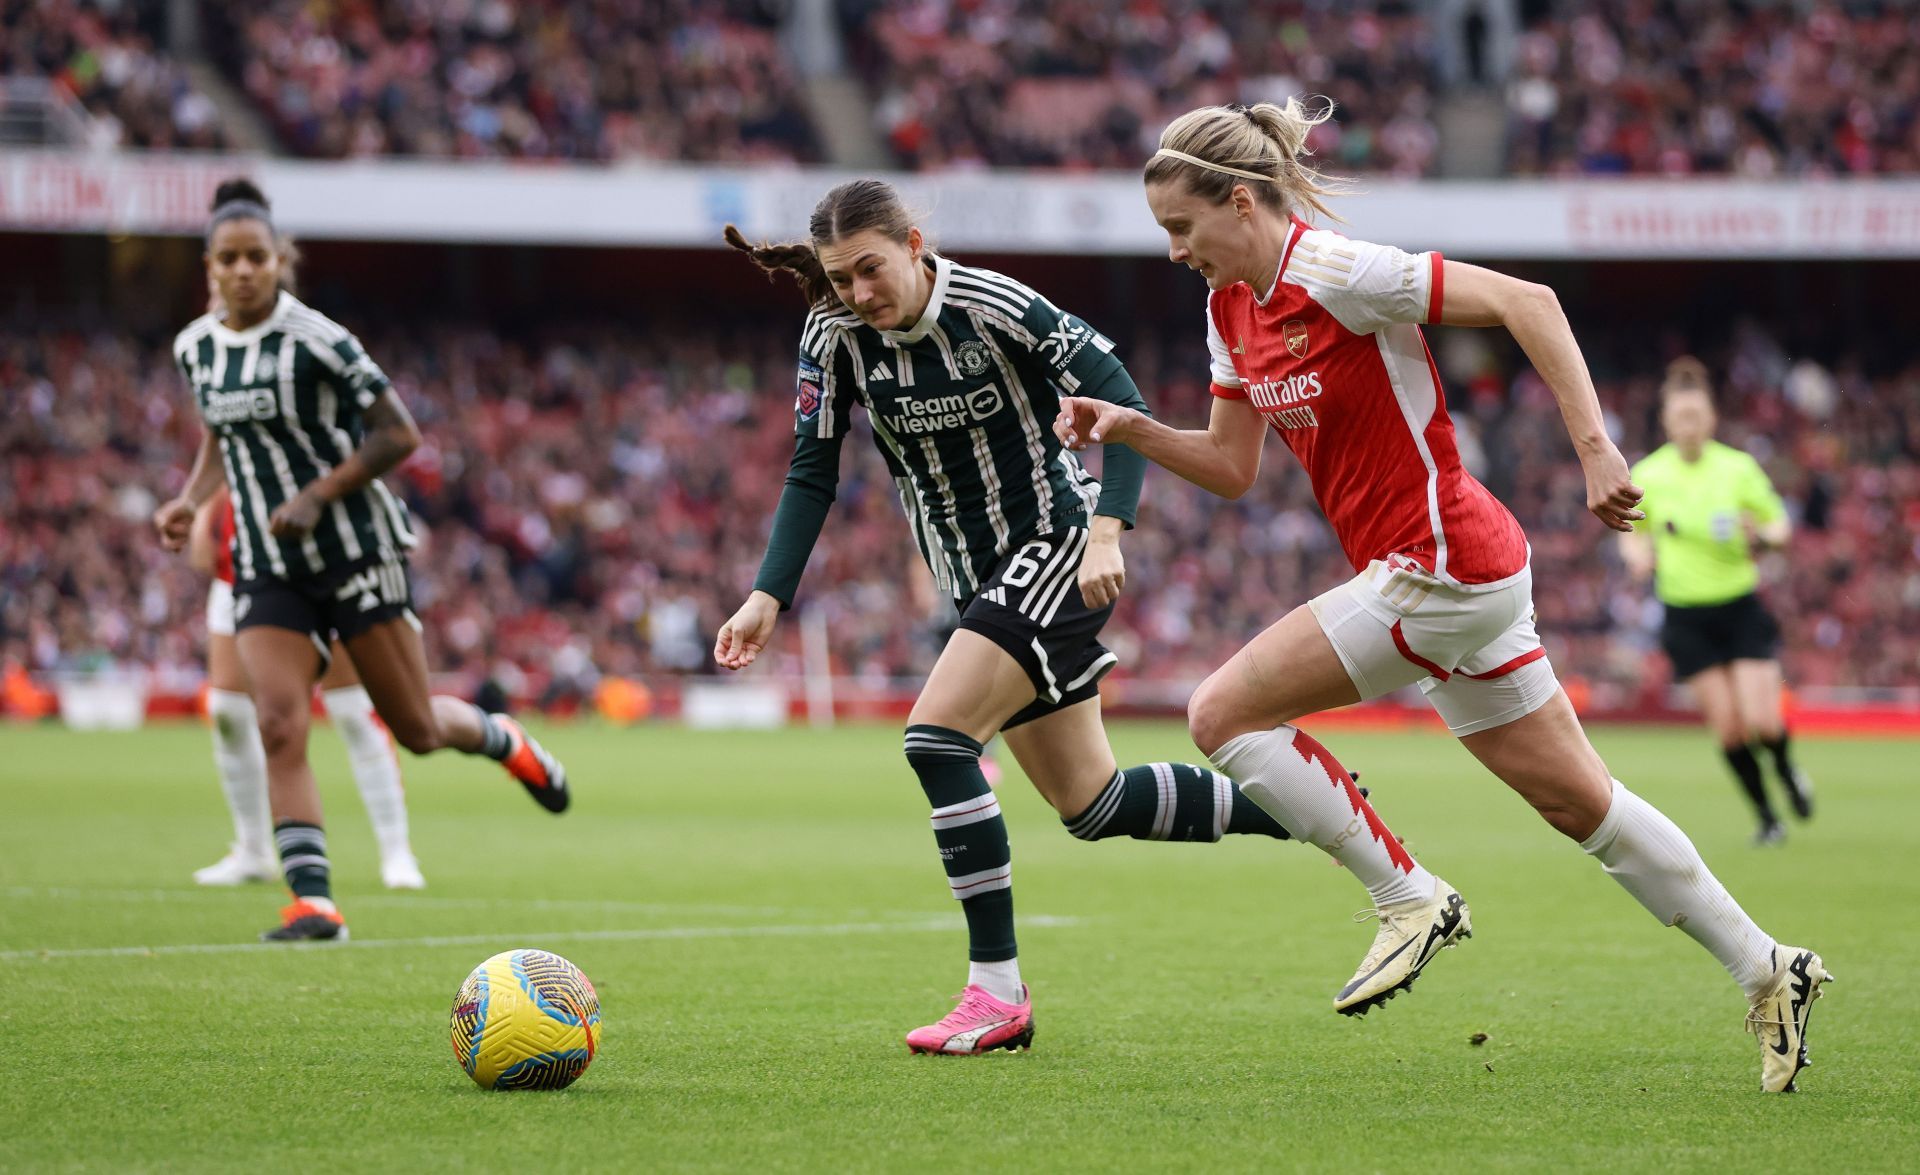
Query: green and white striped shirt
point(962, 407)
point(284, 398)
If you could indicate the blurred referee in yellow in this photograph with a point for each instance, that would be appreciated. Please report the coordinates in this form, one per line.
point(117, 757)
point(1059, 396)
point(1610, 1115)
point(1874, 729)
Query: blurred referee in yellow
point(1706, 505)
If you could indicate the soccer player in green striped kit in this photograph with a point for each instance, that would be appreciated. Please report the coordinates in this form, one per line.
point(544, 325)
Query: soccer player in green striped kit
point(1703, 499)
point(299, 424)
point(960, 371)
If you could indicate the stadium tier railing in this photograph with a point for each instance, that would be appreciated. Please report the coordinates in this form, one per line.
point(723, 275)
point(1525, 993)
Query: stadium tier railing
point(1007, 212)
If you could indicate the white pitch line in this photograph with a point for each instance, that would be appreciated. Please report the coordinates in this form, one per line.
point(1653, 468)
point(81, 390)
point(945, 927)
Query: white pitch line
point(417, 900)
point(466, 940)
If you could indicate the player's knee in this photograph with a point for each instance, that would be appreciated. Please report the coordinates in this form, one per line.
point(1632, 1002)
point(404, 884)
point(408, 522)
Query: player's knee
point(928, 745)
point(1569, 820)
point(283, 727)
point(419, 736)
point(1211, 719)
point(1074, 797)
point(1574, 814)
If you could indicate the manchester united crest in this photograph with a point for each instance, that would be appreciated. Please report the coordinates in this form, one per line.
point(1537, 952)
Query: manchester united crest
point(1295, 333)
point(971, 357)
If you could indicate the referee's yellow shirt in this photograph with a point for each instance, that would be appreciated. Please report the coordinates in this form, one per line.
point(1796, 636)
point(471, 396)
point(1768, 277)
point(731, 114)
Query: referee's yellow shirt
point(1693, 513)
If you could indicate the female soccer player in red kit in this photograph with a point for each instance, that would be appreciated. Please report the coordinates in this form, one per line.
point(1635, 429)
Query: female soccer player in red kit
point(1317, 338)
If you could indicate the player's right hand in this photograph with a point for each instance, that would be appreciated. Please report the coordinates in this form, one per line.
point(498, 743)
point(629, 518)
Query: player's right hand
point(742, 637)
point(1611, 494)
point(1085, 421)
point(174, 521)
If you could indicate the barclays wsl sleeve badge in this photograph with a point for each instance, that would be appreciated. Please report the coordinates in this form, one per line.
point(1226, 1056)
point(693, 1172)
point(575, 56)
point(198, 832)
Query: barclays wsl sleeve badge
point(806, 402)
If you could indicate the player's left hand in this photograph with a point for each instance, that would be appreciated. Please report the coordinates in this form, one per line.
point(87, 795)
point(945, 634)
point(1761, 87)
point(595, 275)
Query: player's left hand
point(1611, 494)
point(1103, 572)
point(297, 516)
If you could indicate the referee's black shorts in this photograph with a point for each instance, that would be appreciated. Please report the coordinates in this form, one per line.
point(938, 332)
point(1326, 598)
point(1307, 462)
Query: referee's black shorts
point(1031, 606)
point(1698, 639)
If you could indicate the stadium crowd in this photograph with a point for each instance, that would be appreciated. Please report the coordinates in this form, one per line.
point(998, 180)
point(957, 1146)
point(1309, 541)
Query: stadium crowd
point(1068, 83)
point(1753, 90)
point(105, 56)
point(689, 80)
point(1619, 86)
point(594, 501)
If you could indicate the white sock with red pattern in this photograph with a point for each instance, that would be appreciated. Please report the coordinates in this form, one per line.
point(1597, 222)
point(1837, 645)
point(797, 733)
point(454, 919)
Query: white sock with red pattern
point(1298, 782)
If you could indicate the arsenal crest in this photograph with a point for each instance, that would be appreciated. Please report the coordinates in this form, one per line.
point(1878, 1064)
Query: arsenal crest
point(1296, 336)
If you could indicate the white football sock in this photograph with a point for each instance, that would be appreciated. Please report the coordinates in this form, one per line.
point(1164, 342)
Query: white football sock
point(375, 768)
point(1001, 980)
point(241, 759)
point(1297, 782)
point(1655, 862)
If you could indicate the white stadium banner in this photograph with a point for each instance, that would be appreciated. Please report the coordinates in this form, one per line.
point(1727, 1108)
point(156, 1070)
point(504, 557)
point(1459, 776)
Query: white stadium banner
point(1013, 212)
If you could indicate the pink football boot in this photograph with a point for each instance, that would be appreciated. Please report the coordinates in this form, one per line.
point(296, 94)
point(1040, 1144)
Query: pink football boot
point(979, 1025)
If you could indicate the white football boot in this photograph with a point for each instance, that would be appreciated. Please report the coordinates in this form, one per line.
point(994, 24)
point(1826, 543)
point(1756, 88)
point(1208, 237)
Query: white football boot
point(1410, 935)
point(236, 869)
point(1778, 1016)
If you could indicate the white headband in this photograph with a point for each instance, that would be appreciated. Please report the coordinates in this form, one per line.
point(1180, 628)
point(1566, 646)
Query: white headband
point(1183, 157)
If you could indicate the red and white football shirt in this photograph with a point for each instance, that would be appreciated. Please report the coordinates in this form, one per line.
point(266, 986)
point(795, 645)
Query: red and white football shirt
point(1334, 360)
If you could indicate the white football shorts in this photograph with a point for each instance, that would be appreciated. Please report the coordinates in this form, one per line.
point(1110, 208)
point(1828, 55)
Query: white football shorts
point(220, 608)
point(1475, 653)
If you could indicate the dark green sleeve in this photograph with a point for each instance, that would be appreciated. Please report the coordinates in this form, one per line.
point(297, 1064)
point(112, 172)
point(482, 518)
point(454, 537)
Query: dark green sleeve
point(812, 479)
point(1122, 470)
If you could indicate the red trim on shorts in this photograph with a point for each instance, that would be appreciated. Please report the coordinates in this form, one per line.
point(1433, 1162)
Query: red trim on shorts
point(1434, 299)
point(1527, 658)
point(1400, 642)
point(1227, 393)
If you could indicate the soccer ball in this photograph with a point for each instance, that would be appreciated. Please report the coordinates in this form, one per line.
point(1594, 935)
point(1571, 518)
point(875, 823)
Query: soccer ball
point(526, 1020)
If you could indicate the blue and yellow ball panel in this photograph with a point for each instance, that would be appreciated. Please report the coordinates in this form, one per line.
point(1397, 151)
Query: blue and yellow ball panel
point(526, 1020)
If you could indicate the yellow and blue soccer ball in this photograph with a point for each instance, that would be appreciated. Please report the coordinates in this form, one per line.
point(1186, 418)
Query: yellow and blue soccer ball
point(526, 1020)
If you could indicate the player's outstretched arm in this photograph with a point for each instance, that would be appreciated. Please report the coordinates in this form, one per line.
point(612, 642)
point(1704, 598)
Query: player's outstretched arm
point(1223, 458)
point(1531, 313)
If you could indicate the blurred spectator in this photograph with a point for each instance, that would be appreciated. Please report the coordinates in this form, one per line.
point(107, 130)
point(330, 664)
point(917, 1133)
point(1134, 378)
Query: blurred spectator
point(594, 502)
point(690, 80)
point(104, 53)
point(1077, 83)
point(1751, 90)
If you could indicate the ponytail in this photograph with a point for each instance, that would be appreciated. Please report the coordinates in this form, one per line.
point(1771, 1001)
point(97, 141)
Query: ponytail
point(853, 207)
point(795, 258)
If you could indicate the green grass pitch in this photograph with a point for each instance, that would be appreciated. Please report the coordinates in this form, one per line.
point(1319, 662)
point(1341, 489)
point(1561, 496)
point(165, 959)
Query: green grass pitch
point(764, 917)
